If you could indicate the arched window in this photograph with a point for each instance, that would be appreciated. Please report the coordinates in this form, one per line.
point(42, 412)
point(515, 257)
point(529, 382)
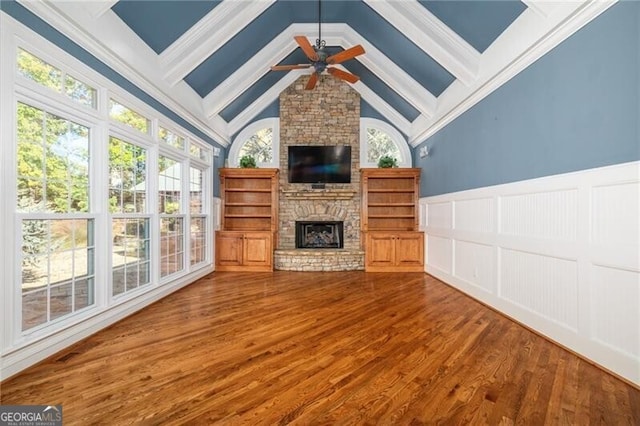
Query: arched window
point(377, 139)
point(260, 140)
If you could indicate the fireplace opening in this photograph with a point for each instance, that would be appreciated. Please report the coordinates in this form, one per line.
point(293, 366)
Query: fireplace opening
point(319, 234)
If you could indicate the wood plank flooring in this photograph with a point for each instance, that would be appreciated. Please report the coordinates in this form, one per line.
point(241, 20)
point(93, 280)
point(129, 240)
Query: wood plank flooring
point(306, 348)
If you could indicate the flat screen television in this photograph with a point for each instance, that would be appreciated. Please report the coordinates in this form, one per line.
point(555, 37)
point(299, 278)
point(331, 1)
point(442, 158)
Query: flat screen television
point(319, 164)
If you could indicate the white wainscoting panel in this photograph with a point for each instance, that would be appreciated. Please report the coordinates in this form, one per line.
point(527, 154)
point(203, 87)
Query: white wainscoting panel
point(615, 298)
point(545, 285)
point(550, 214)
point(474, 264)
point(439, 215)
point(560, 254)
point(474, 215)
point(439, 253)
point(616, 213)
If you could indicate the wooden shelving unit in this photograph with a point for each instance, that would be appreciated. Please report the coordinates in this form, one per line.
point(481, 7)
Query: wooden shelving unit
point(249, 221)
point(390, 220)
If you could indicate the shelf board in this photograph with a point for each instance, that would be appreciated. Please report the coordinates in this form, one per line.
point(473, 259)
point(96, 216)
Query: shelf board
point(392, 191)
point(391, 204)
point(391, 216)
point(247, 190)
point(247, 204)
point(247, 216)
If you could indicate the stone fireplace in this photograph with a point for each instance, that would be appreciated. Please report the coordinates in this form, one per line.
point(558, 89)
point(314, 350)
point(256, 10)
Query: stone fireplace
point(326, 115)
point(322, 234)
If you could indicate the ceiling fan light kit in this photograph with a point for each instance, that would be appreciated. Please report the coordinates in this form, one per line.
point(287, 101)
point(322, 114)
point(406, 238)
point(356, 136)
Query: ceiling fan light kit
point(320, 60)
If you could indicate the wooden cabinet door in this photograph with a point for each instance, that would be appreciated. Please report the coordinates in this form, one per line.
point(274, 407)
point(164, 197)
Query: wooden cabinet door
point(410, 250)
point(258, 249)
point(229, 248)
point(379, 250)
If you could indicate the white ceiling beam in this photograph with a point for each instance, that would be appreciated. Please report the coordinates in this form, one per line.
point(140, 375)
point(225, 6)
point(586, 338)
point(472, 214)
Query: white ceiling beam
point(432, 36)
point(525, 41)
point(111, 41)
point(387, 111)
point(207, 36)
point(99, 7)
point(334, 34)
point(542, 8)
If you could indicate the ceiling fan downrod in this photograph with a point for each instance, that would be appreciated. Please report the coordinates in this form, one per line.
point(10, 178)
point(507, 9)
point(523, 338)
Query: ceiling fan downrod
point(320, 43)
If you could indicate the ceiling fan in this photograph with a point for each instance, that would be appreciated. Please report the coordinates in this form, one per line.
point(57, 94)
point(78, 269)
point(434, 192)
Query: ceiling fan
point(320, 60)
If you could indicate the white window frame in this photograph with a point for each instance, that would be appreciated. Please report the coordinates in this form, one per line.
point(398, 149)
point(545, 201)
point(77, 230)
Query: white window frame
point(394, 134)
point(20, 349)
point(250, 130)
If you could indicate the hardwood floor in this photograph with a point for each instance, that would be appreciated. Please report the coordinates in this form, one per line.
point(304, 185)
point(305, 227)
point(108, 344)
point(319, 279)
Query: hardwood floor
point(322, 348)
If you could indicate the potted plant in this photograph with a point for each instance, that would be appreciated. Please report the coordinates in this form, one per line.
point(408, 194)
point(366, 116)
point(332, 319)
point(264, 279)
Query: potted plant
point(386, 162)
point(247, 162)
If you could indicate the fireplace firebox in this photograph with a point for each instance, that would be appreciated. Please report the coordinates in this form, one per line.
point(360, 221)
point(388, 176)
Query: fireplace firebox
point(319, 234)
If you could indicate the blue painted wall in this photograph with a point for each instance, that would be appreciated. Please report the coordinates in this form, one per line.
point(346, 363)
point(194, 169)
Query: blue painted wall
point(576, 108)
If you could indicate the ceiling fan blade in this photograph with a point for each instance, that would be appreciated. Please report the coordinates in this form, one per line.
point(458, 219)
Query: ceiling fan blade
point(343, 75)
point(306, 47)
point(313, 79)
point(345, 55)
point(289, 67)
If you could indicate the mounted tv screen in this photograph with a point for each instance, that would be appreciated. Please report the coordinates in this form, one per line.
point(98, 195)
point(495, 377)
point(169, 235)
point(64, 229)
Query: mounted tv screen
point(319, 164)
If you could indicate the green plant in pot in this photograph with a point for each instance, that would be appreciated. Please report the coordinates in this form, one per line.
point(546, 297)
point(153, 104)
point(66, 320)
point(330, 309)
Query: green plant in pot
point(247, 162)
point(386, 162)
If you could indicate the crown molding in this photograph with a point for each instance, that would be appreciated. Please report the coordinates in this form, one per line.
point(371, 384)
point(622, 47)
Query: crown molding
point(432, 36)
point(530, 37)
point(109, 40)
point(542, 8)
point(99, 7)
point(207, 36)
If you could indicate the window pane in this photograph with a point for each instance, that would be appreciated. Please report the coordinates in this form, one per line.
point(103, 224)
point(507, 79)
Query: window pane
point(53, 163)
point(171, 245)
point(80, 92)
point(199, 152)
point(57, 268)
point(195, 190)
point(380, 144)
point(259, 146)
point(171, 138)
point(128, 116)
point(127, 173)
point(169, 185)
point(198, 239)
point(130, 250)
point(39, 71)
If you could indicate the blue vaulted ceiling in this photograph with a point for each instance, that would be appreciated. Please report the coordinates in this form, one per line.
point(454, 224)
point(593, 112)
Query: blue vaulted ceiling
point(425, 62)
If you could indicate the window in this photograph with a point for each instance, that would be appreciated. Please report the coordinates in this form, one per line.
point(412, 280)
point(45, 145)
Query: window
point(57, 257)
point(260, 140)
point(199, 152)
point(171, 138)
point(47, 75)
point(130, 239)
point(131, 118)
point(378, 139)
point(84, 234)
point(198, 219)
point(171, 222)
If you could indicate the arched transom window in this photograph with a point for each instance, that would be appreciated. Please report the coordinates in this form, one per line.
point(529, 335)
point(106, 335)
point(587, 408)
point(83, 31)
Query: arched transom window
point(259, 140)
point(378, 139)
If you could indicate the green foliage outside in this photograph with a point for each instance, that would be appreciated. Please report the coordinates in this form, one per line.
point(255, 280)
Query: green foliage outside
point(380, 144)
point(259, 146)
